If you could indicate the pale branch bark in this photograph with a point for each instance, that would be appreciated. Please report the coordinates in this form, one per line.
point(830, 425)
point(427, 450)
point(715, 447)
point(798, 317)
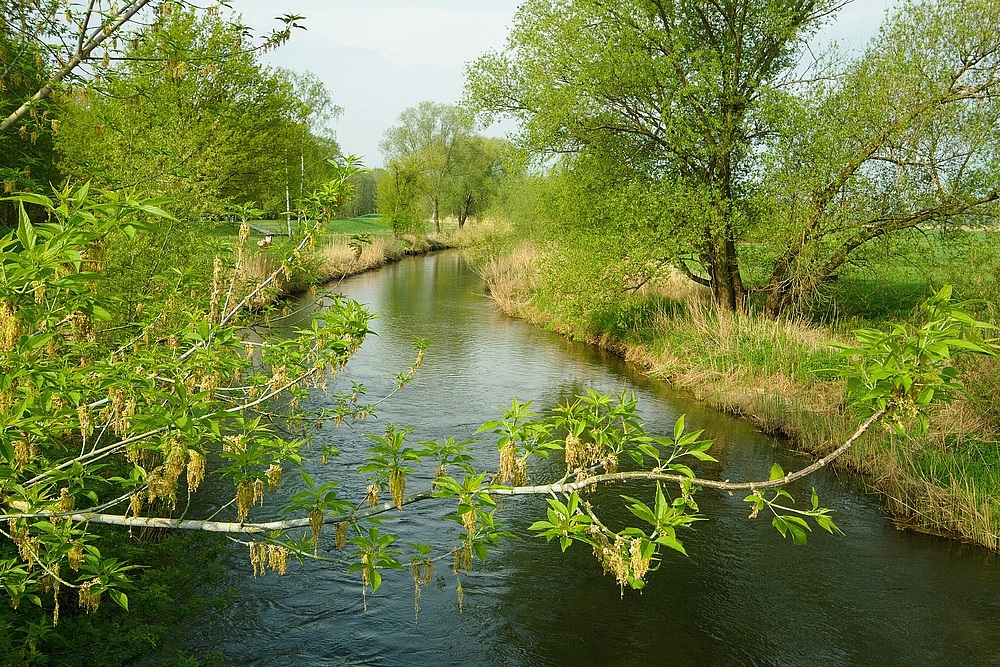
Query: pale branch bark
point(546, 489)
point(87, 47)
point(247, 300)
point(706, 282)
point(654, 475)
point(41, 563)
point(220, 526)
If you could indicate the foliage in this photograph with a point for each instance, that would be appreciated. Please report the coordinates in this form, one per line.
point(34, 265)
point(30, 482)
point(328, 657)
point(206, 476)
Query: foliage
point(246, 129)
point(906, 370)
point(660, 94)
point(28, 153)
point(398, 197)
point(79, 39)
point(456, 170)
point(98, 417)
point(427, 139)
point(686, 135)
point(901, 139)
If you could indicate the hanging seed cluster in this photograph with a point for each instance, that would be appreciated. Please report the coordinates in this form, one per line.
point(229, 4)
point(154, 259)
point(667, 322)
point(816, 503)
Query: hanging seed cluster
point(462, 558)
point(249, 492)
point(264, 557)
point(397, 487)
point(24, 451)
point(340, 535)
point(273, 475)
point(51, 583)
point(10, 327)
point(316, 515)
point(195, 469)
point(621, 557)
point(89, 599)
point(583, 455)
point(371, 495)
point(213, 314)
point(27, 545)
point(422, 571)
point(162, 481)
point(512, 470)
point(119, 411)
point(75, 556)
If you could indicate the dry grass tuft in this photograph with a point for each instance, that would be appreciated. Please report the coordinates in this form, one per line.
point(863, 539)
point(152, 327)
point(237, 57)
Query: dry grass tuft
point(337, 258)
point(511, 278)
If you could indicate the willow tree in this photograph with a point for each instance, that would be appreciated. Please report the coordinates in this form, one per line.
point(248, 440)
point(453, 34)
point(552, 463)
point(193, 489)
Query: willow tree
point(902, 140)
point(691, 110)
point(661, 92)
point(429, 134)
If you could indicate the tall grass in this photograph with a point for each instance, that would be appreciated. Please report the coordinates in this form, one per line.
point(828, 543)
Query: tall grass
point(336, 258)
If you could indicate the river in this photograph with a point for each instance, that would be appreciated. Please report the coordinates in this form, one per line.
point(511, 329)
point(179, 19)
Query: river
point(743, 596)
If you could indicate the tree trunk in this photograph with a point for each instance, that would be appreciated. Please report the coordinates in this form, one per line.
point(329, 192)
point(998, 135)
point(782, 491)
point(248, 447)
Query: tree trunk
point(437, 215)
point(463, 215)
point(727, 284)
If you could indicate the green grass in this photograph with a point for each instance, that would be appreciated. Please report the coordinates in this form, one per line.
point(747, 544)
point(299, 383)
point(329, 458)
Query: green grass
point(888, 281)
point(365, 224)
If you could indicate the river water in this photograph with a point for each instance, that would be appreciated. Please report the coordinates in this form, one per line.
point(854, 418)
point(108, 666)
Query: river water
point(743, 596)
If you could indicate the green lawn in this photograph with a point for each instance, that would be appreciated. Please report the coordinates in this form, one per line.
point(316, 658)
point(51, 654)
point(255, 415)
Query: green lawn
point(368, 224)
point(365, 224)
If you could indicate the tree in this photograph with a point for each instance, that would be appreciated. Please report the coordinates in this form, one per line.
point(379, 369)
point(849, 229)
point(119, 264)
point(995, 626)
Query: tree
point(743, 168)
point(365, 194)
point(194, 70)
point(317, 145)
point(430, 134)
point(71, 33)
point(478, 173)
point(398, 196)
point(28, 157)
point(111, 408)
point(661, 91)
point(902, 140)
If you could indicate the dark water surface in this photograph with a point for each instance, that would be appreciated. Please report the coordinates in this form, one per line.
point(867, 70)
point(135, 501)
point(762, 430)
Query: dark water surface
point(743, 596)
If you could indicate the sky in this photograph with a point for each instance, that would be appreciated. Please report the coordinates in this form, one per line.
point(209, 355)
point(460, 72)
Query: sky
point(379, 57)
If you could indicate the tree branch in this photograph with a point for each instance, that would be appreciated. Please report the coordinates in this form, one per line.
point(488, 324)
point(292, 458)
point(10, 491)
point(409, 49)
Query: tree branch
point(95, 40)
point(548, 489)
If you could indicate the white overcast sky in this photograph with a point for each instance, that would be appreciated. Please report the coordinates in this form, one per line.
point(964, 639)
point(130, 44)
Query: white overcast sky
point(378, 57)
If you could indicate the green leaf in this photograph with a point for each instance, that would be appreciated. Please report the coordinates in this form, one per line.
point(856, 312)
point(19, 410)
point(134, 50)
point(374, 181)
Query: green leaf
point(120, 598)
point(926, 396)
point(776, 473)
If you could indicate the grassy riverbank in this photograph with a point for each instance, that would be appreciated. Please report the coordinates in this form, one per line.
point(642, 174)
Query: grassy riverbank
point(773, 373)
point(338, 254)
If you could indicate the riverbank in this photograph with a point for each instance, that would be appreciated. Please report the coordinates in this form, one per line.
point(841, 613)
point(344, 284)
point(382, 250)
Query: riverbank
point(336, 257)
point(773, 373)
